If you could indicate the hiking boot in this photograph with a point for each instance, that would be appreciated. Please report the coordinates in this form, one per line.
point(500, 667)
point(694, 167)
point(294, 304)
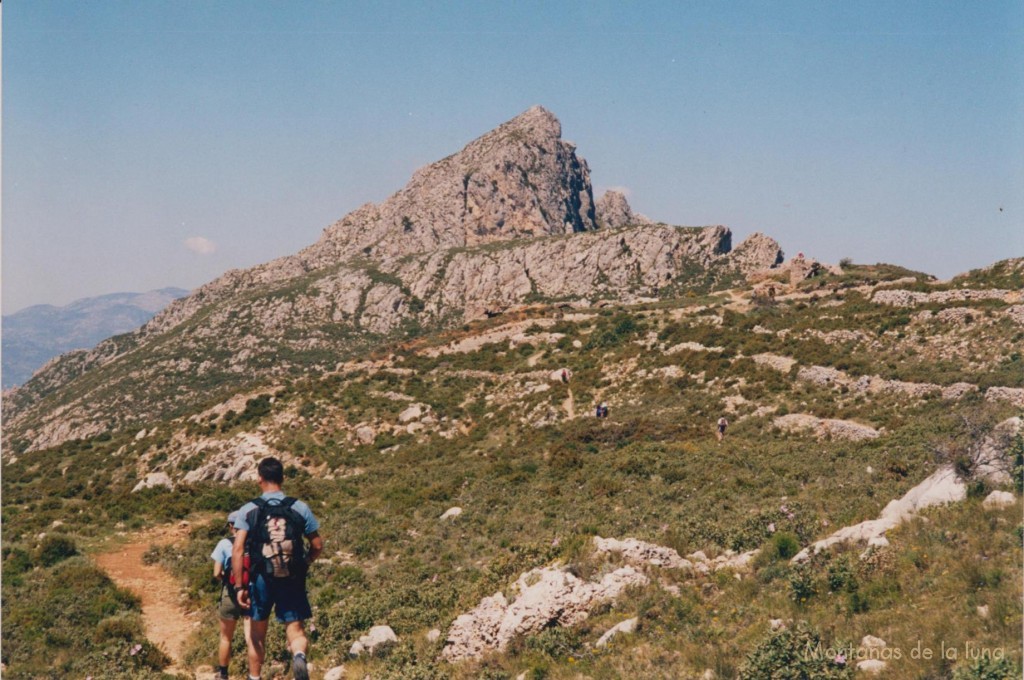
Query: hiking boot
point(299, 667)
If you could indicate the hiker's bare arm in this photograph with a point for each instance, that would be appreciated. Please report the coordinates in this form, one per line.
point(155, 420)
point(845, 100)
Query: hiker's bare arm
point(218, 569)
point(238, 563)
point(316, 546)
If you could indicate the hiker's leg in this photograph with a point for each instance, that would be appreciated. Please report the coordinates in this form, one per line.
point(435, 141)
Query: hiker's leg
point(257, 647)
point(296, 637)
point(227, 629)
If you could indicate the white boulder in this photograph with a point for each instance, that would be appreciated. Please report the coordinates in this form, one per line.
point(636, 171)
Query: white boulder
point(336, 673)
point(627, 626)
point(154, 479)
point(998, 499)
point(377, 636)
point(451, 513)
point(411, 413)
point(871, 666)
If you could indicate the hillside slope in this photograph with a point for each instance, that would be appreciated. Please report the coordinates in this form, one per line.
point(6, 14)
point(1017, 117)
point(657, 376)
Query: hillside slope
point(844, 391)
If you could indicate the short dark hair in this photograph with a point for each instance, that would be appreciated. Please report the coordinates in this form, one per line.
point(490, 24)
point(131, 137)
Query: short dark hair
point(271, 470)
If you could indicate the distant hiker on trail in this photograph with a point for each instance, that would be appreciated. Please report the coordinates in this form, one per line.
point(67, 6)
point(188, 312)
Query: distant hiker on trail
point(722, 424)
point(272, 530)
point(597, 411)
point(565, 375)
point(228, 609)
point(602, 410)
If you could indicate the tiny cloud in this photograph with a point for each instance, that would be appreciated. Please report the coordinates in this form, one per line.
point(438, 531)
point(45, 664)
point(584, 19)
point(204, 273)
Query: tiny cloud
point(200, 244)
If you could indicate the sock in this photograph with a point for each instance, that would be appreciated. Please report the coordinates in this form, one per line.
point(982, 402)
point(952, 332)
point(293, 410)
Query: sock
point(302, 654)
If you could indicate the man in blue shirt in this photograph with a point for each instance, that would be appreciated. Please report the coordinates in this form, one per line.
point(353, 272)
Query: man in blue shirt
point(228, 608)
point(286, 595)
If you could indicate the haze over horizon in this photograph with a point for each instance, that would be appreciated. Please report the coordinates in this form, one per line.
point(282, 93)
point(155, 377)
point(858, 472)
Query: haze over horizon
point(159, 145)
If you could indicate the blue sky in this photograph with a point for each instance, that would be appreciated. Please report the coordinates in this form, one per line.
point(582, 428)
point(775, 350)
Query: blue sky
point(879, 131)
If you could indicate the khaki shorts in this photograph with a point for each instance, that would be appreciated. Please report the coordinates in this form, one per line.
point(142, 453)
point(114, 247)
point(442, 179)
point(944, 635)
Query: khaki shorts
point(229, 608)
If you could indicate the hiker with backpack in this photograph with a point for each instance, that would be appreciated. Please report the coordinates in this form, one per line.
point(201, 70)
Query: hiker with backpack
point(228, 608)
point(272, 531)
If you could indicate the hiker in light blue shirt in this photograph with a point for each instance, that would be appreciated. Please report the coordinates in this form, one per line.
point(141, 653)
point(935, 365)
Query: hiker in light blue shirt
point(228, 608)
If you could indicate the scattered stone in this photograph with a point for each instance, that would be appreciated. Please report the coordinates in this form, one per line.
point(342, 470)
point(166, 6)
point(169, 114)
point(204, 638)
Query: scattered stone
point(983, 611)
point(336, 673)
point(872, 642)
point(998, 499)
point(365, 434)
point(411, 413)
point(777, 624)
point(154, 479)
point(871, 666)
point(451, 513)
point(433, 635)
point(627, 626)
point(374, 638)
point(141, 434)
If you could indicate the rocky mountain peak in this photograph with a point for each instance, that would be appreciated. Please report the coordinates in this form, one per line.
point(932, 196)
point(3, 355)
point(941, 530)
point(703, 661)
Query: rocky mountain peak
point(520, 180)
point(613, 211)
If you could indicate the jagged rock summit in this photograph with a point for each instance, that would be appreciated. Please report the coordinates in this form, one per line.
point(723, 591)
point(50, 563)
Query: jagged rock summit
point(508, 220)
point(520, 180)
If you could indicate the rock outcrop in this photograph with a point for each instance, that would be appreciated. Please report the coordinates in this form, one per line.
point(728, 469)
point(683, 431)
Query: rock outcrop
point(546, 597)
point(823, 428)
point(613, 211)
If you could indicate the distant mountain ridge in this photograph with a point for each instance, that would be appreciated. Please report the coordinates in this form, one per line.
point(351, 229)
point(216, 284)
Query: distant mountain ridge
point(37, 334)
point(509, 220)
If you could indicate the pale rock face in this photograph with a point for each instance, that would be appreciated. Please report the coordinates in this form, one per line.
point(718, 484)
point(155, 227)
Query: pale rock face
point(410, 414)
point(643, 553)
point(613, 211)
point(547, 596)
point(627, 626)
point(826, 427)
point(154, 479)
point(451, 513)
point(940, 488)
point(517, 181)
point(998, 499)
point(756, 253)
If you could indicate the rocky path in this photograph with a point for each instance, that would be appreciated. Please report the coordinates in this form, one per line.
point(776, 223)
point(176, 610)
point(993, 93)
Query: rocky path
point(167, 624)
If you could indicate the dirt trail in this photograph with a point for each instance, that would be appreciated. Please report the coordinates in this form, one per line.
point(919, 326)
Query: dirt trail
point(570, 405)
point(166, 623)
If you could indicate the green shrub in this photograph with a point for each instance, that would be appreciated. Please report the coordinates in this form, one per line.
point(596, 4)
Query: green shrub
point(54, 549)
point(797, 654)
point(987, 668)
